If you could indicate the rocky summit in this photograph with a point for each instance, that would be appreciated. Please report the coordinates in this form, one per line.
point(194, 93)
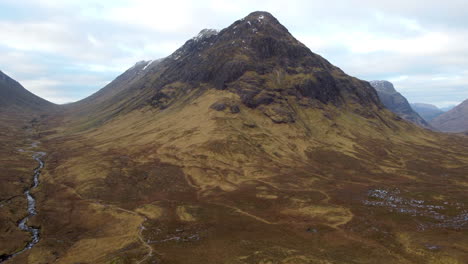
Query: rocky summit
point(257, 59)
point(241, 147)
point(260, 62)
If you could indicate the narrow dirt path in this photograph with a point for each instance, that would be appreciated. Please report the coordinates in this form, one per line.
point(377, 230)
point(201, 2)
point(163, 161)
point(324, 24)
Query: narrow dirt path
point(140, 227)
point(237, 210)
point(150, 248)
point(327, 196)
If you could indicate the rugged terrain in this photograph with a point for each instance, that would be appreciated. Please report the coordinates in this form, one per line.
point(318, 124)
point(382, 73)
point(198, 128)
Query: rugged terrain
point(244, 147)
point(397, 103)
point(455, 120)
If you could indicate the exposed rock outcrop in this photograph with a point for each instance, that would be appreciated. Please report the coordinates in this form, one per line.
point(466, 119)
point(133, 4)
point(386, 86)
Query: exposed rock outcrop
point(397, 103)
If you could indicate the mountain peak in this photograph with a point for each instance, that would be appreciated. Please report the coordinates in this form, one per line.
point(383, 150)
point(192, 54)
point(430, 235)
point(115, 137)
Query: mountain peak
point(241, 35)
point(257, 59)
point(205, 33)
point(260, 17)
point(259, 23)
point(384, 86)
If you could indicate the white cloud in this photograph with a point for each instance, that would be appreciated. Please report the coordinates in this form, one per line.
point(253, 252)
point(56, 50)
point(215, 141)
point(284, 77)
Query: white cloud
point(398, 78)
point(432, 42)
point(104, 68)
point(442, 104)
point(93, 40)
point(20, 63)
point(47, 89)
point(161, 16)
point(44, 37)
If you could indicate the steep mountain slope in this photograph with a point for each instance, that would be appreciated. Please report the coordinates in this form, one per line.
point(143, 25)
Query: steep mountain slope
point(455, 120)
point(427, 111)
point(113, 98)
point(245, 147)
point(397, 103)
point(255, 59)
point(13, 97)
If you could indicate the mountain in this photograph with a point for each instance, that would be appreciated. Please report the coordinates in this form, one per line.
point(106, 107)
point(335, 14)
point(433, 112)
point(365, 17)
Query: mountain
point(397, 103)
point(427, 111)
point(455, 120)
point(14, 97)
point(255, 59)
point(114, 97)
point(243, 146)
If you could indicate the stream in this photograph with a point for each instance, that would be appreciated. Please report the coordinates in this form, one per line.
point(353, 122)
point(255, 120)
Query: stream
point(23, 223)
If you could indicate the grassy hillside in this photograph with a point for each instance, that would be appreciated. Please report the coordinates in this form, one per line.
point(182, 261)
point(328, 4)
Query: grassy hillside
point(190, 182)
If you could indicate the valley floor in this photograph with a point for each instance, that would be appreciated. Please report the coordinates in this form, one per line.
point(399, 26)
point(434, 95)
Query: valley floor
point(118, 197)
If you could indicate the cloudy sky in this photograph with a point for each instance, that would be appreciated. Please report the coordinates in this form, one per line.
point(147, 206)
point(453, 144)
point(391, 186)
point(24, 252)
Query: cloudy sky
point(66, 50)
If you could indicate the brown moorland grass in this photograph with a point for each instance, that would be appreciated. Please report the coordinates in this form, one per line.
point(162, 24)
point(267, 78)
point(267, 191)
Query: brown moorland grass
point(195, 184)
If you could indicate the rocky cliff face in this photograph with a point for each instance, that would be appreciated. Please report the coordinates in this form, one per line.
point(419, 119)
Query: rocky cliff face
point(455, 120)
point(397, 103)
point(257, 59)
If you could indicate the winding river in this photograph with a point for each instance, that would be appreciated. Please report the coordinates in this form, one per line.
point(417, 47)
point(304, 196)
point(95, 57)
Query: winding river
point(23, 223)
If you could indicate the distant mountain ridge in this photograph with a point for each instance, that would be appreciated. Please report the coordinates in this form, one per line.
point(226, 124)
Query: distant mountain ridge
point(14, 97)
point(397, 103)
point(427, 111)
point(447, 108)
point(455, 120)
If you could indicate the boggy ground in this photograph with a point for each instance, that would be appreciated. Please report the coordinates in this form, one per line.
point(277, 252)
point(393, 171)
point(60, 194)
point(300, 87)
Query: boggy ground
point(200, 186)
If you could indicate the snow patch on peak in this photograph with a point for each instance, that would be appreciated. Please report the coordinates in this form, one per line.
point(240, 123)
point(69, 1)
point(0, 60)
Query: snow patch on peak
point(149, 63)
point(138, 64)
point(143, 65)
point(206, 33)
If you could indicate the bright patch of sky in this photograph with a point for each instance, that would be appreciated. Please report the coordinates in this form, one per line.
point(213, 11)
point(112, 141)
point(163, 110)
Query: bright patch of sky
point(66, 50)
